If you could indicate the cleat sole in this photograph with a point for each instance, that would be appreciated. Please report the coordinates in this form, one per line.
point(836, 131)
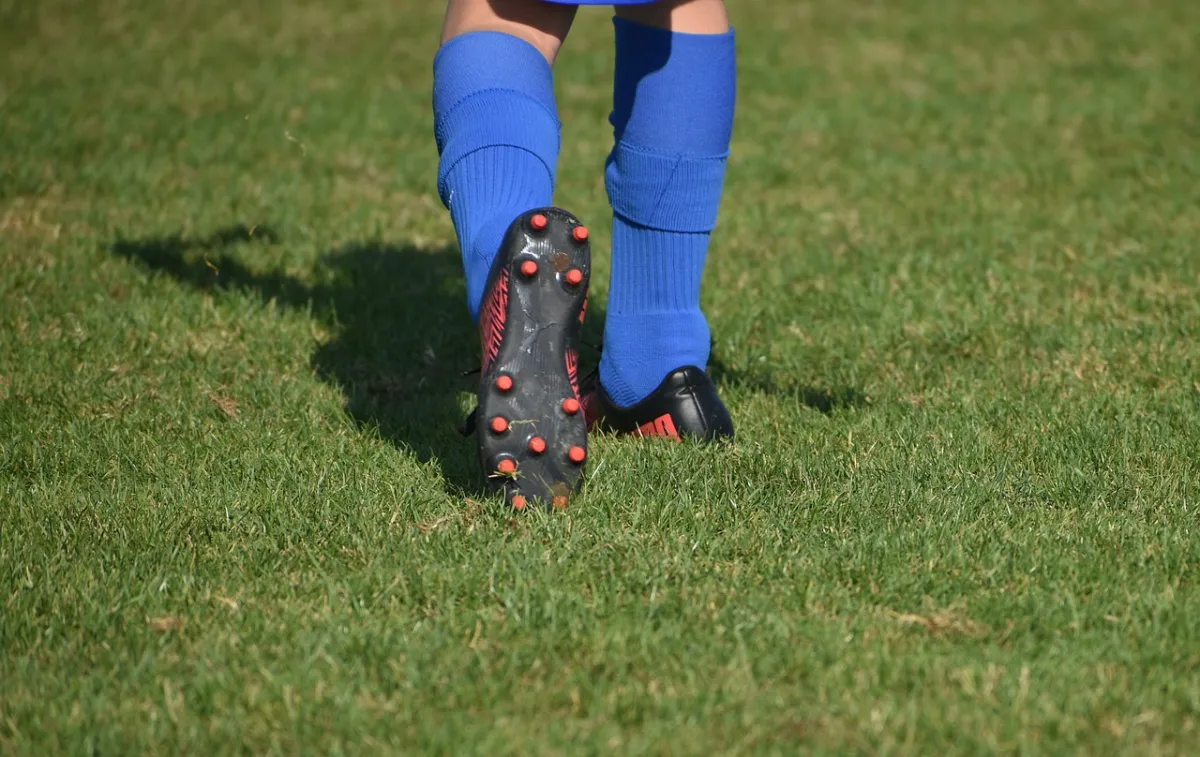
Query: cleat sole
point(534, 347)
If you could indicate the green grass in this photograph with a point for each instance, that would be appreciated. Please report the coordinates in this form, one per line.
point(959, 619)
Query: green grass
point(956, 296)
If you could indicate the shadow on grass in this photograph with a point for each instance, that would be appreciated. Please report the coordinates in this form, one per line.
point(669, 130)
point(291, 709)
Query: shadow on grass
point(402, 337)
point(826, 401)
point(401, 334)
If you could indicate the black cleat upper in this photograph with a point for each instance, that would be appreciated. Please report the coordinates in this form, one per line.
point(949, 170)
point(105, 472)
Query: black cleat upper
point(685, 404)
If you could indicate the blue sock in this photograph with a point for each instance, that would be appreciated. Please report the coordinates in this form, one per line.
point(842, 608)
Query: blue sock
point(673, 102)
point(497, 133)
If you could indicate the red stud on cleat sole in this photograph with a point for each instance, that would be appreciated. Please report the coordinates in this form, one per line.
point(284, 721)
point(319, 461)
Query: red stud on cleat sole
point(580, 233)
point(529, 269)
point(499, 425)
point(537, 222)
point(574, 277)
point(570, 406)
point(507, 467)
point(560, 503)
point(537, 445)
point(577, 454)
point(504, 383)
point(518, 502)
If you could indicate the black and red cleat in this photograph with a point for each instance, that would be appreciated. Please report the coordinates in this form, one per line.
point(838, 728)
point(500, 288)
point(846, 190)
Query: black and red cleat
point(532, 437)
point(685, 405)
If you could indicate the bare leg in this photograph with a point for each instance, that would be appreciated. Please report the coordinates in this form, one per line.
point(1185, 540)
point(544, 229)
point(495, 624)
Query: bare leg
point(543, 25)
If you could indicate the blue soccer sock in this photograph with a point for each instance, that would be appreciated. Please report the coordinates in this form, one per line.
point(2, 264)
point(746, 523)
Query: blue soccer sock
point(497, 133)
point(673, 103)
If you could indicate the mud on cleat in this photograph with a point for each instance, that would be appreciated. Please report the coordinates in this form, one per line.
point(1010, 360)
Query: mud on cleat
point(685, 404)
point(531, 433)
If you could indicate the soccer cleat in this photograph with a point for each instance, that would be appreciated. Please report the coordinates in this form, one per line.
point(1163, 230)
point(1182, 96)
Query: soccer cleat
point(685, 404)
point(532, 437)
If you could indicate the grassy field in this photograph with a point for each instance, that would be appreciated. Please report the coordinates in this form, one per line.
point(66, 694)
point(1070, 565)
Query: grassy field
point(956, 296)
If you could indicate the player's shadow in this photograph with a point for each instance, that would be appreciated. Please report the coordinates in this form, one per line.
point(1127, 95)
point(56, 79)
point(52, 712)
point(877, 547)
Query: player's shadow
point(400, 334)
